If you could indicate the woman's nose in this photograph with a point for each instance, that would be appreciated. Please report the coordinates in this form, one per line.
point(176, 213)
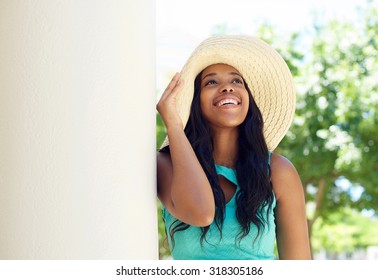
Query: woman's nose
point(227, 88)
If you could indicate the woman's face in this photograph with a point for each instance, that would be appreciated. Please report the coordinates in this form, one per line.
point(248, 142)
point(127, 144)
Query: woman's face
point(224, 99)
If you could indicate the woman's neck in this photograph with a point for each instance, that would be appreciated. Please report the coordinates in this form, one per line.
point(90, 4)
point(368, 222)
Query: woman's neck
point(225, 147)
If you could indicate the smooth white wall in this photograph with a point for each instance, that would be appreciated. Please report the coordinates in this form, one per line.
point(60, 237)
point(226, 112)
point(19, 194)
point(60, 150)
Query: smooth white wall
point(77, 130)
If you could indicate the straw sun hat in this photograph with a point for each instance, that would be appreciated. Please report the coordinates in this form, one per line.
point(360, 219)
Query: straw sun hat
point(263, 69)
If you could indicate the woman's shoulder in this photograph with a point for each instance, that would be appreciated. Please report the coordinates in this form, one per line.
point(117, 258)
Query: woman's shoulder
point(284, 175)
point(280, 163)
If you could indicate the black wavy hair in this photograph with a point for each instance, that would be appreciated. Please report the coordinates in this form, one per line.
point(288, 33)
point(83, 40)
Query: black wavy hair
point(252, 168)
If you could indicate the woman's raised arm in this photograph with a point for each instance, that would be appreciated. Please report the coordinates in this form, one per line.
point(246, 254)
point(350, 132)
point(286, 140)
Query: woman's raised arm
point(183, 187)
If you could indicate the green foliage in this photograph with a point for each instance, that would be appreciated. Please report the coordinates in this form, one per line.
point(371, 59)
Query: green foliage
point(335, 130)
point(344, 231)
point(334, 135)
point(160, 131)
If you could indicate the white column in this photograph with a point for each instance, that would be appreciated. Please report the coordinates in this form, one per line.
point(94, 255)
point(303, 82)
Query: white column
point(77, 130)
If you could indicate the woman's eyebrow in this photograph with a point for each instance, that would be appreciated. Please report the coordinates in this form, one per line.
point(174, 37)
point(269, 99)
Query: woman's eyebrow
point(214, 74)
point(209, 75)
point(237, 74)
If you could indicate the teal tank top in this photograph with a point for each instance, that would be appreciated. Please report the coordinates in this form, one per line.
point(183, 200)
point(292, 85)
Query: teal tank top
point(187, 242)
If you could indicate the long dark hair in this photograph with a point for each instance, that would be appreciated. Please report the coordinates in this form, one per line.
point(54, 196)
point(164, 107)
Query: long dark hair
point(252, 168)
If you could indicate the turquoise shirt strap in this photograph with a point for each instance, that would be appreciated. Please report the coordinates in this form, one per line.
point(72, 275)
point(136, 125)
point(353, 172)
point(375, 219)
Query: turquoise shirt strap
point(228, 173)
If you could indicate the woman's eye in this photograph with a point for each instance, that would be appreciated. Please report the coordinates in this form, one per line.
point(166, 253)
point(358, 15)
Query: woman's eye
point(211, 82)
point(237, 81)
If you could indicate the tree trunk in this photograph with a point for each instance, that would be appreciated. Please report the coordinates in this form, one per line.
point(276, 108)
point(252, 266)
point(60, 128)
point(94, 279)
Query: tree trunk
point(318, 205)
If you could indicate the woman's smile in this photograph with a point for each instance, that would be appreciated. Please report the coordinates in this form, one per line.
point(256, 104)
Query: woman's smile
point(227, 101)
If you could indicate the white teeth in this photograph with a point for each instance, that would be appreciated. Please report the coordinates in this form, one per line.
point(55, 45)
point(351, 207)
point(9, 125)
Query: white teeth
point(227, 101)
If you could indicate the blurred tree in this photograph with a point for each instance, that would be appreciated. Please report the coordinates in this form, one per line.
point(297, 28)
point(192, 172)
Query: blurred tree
point(160, 131)
point(344, 232)
point(333, 141)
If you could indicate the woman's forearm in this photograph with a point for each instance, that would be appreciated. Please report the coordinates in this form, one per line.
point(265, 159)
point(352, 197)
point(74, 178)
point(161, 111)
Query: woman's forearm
point(191, 192)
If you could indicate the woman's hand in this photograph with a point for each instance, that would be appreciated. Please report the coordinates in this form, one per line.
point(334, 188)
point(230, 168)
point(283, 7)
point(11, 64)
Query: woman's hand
point(167, 103)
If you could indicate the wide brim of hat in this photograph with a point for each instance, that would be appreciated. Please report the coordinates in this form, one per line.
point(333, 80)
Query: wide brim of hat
point(264, 70)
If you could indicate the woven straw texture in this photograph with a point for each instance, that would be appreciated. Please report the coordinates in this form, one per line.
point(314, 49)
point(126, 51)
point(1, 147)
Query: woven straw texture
point(264, 70)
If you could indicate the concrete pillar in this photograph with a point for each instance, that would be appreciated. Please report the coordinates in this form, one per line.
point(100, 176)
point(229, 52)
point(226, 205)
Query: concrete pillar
point(77, 129)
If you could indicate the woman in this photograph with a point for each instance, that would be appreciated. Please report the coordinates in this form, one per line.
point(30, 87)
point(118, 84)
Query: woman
point(225, 194)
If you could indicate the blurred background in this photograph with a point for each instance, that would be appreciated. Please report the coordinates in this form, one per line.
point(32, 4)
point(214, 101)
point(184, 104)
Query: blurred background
point(331, 48)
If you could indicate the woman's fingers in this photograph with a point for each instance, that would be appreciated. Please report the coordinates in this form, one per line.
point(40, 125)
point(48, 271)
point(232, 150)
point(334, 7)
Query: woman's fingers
point(168, 97)
point(177, 87)
point(171, 86)
point(167, 103)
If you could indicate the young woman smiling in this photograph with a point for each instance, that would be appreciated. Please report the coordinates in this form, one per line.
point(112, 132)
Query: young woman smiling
point(225, 194)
